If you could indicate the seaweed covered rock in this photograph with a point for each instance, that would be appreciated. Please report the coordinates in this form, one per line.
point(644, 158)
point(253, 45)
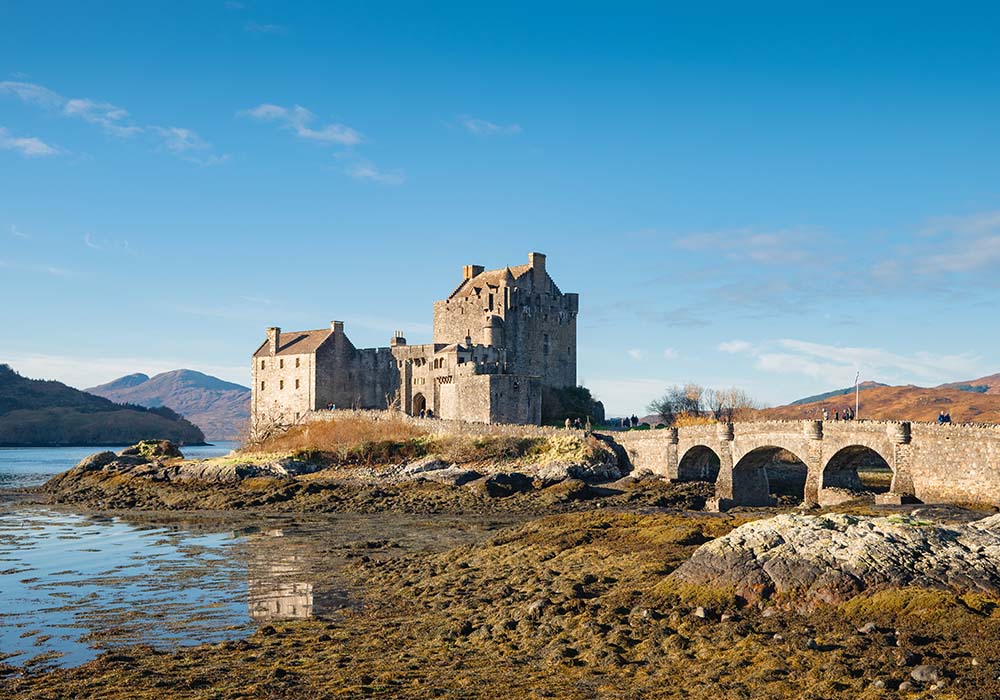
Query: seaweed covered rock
point(805, 560)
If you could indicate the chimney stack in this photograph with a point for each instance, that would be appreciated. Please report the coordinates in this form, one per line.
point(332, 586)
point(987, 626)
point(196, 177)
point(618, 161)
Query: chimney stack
point(470, 271)
point(337, 326)
point(397, 339)
point(537, 262)
point(273, 340)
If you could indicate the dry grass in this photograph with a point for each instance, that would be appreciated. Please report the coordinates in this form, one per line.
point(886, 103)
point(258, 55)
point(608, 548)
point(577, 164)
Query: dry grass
point(349, 440)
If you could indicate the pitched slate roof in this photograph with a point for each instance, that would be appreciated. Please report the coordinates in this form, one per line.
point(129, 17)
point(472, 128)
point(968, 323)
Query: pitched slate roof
point(490, 278)
point(296, 343)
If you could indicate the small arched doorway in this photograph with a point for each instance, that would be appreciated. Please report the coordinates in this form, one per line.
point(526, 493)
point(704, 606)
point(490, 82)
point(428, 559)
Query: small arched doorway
point(419, 404)
point(700, 463)
point(858, 468)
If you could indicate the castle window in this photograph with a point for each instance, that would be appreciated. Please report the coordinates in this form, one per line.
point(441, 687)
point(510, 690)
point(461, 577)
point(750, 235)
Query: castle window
point(491, 302)
point(296, 383)
point(262, 364)
point(296, 362)
point(281, 364)
point(262, 386)
point(545, 344)
point(281, 384)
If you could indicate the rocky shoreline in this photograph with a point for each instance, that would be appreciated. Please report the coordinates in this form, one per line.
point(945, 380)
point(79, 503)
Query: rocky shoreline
point(620, 589)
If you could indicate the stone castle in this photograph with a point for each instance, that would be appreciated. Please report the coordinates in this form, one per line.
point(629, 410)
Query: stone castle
point(499, 338)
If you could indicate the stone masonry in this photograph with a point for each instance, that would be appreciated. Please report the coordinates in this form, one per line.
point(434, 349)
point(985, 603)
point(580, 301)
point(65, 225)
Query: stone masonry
point(930, 463)
point(499, 338)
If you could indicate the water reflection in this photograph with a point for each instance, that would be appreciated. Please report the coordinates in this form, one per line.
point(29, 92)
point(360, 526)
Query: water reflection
point(73, 585)
point(283, 584)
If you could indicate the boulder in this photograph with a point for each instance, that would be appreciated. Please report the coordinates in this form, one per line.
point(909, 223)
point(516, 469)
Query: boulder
point(806, 560)
point(502, 484)
point(153, 450)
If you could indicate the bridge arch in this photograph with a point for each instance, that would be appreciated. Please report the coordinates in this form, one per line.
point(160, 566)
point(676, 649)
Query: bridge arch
point(753, 486)
point(842, 468)
point(699, 463)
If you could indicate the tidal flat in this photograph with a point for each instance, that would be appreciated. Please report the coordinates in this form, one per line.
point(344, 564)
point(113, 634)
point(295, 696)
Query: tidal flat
point(570, 606)
point(134, 579)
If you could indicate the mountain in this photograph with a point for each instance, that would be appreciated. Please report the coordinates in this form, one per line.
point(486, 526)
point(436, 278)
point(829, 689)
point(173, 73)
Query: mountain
point(974, 401)
point(983, 385)
point(221, 409)
point(41, 413)
point(834, 393)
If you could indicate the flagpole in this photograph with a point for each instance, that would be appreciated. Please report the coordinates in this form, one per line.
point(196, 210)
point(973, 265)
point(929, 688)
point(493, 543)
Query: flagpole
point(857, 394)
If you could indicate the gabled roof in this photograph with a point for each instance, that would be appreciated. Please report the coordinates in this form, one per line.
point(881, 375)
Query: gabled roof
point(490, 278)
point(296, 343)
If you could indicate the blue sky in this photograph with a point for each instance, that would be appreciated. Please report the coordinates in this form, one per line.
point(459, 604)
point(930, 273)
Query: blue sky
point(771, 196)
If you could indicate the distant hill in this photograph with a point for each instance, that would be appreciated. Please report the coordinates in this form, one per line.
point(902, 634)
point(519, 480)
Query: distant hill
point(983, 385)
point(974, 401)
point(834, 393)
point(41, 413)
point(221, 409)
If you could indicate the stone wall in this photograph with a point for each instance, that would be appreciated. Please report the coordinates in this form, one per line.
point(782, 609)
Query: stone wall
point(930, 462)
point(450, 427)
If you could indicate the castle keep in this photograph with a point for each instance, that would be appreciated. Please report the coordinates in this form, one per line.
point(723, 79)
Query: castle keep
point(499, 337)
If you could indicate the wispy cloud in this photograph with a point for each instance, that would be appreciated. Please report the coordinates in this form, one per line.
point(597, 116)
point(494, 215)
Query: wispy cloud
point(635, 353)
point(955, 245)
point(671, 354)
point(234, 5)
point(112, 119)
point(364, 170)
point(483, 127)
point(299, 120)
point(18, 233)
point(259, 28)
point(30, 147)
point(764, 247)
point(836, 365)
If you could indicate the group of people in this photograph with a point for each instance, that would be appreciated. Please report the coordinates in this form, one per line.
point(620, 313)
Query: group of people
point(944, 417)
point(847, 415)
point(632, 422)
point(426, 413)
point(577, 424)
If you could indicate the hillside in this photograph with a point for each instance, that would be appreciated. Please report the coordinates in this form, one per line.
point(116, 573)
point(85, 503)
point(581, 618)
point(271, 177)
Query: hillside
point(907, 403)
point(983, 385)
point(221, 409)
point(835, 393)
point(34, 412)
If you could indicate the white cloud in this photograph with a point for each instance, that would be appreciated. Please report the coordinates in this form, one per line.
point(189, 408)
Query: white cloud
point(27, 146)
point(670, 354)
point(635, 353)
point(18, 233)
point(735, 346)
point(112, 119)
point(299, 119)
point(104, 114)
point(363, 170)
point(258, 28)
point(179, 140)
point(775, 247)
point(836, 365)
point(486, 128)
point(29, 92)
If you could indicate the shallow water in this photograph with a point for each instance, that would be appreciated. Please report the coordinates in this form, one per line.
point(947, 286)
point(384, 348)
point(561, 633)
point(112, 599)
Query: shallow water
point(31, 466)
point(72, 585)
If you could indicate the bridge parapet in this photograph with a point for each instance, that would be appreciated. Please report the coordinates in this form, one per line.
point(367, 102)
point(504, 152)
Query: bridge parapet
point(930, 462)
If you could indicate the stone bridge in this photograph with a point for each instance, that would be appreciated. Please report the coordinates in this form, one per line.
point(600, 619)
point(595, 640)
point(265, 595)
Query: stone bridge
point(930, 463)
